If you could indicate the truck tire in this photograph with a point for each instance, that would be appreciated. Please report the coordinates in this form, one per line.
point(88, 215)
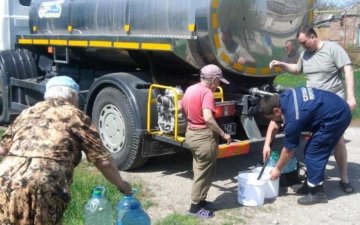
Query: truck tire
point(115, 122)
point(19, 64)
point(4, 102)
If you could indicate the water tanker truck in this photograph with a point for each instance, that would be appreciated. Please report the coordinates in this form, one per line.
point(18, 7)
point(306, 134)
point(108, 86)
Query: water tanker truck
point(133, 59)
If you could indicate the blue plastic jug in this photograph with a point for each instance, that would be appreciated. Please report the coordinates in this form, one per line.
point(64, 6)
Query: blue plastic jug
point(98, 210)
point(130, 212)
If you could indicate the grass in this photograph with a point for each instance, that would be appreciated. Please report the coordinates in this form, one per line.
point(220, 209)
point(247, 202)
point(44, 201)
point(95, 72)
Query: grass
point(291, 80)
point(300, 80)
point(86, 177)
point(177, 219)
point(229, 217)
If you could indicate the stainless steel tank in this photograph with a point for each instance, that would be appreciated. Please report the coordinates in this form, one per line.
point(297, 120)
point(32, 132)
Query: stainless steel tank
point(241, 36)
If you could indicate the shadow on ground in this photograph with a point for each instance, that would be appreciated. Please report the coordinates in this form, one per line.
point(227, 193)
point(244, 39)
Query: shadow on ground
point(180, 164)
point(332, 186)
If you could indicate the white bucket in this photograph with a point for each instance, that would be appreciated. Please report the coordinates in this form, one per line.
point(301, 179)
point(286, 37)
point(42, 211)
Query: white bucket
point(271, 186)
point(250, 190)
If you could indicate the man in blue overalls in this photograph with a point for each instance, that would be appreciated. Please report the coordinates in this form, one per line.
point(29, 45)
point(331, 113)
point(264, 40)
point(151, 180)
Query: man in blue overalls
point(308, 109)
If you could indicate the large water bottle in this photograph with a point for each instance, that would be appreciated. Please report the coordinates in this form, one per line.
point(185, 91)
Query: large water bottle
point(130, 212)
point(98, 209)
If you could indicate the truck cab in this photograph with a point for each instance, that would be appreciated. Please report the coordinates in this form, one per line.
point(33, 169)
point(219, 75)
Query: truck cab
point(14, 20)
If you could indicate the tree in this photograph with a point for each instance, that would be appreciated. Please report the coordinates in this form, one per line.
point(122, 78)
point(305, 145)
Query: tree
point(334, 4)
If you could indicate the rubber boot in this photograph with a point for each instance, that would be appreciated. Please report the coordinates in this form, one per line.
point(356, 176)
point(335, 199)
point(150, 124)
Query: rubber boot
point(316, 195)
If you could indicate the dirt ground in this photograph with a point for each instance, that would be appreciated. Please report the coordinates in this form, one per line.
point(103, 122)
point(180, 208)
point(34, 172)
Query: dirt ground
point(167, 181)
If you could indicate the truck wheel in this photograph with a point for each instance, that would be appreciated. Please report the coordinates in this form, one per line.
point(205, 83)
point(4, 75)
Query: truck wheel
point(4, 108)
point(115, 122)
point(19, 64)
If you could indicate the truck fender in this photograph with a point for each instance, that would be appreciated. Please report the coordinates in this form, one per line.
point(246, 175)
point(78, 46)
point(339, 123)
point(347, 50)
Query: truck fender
point(133, 85)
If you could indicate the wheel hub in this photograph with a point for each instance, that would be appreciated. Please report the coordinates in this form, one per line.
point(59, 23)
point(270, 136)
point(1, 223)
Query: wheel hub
point(112, 128)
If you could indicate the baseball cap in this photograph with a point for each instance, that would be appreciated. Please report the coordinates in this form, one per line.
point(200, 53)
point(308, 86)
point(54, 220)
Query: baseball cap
point(212, 71)
point(62, 81)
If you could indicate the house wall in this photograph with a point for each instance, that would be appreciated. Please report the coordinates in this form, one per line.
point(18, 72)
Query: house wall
point(345, 32)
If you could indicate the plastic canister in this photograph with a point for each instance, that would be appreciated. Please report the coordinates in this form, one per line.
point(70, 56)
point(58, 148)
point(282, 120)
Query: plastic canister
point(98, 209)
point(271, 187)
point(250, 190)
point(130, 212)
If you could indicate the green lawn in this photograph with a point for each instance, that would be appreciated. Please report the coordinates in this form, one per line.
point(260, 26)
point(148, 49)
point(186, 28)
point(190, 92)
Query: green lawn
point(299, 80)
point(86, 177)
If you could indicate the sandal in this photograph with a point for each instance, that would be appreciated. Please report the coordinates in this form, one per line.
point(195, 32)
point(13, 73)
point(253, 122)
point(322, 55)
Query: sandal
point(346, 187)
point(203, 214)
